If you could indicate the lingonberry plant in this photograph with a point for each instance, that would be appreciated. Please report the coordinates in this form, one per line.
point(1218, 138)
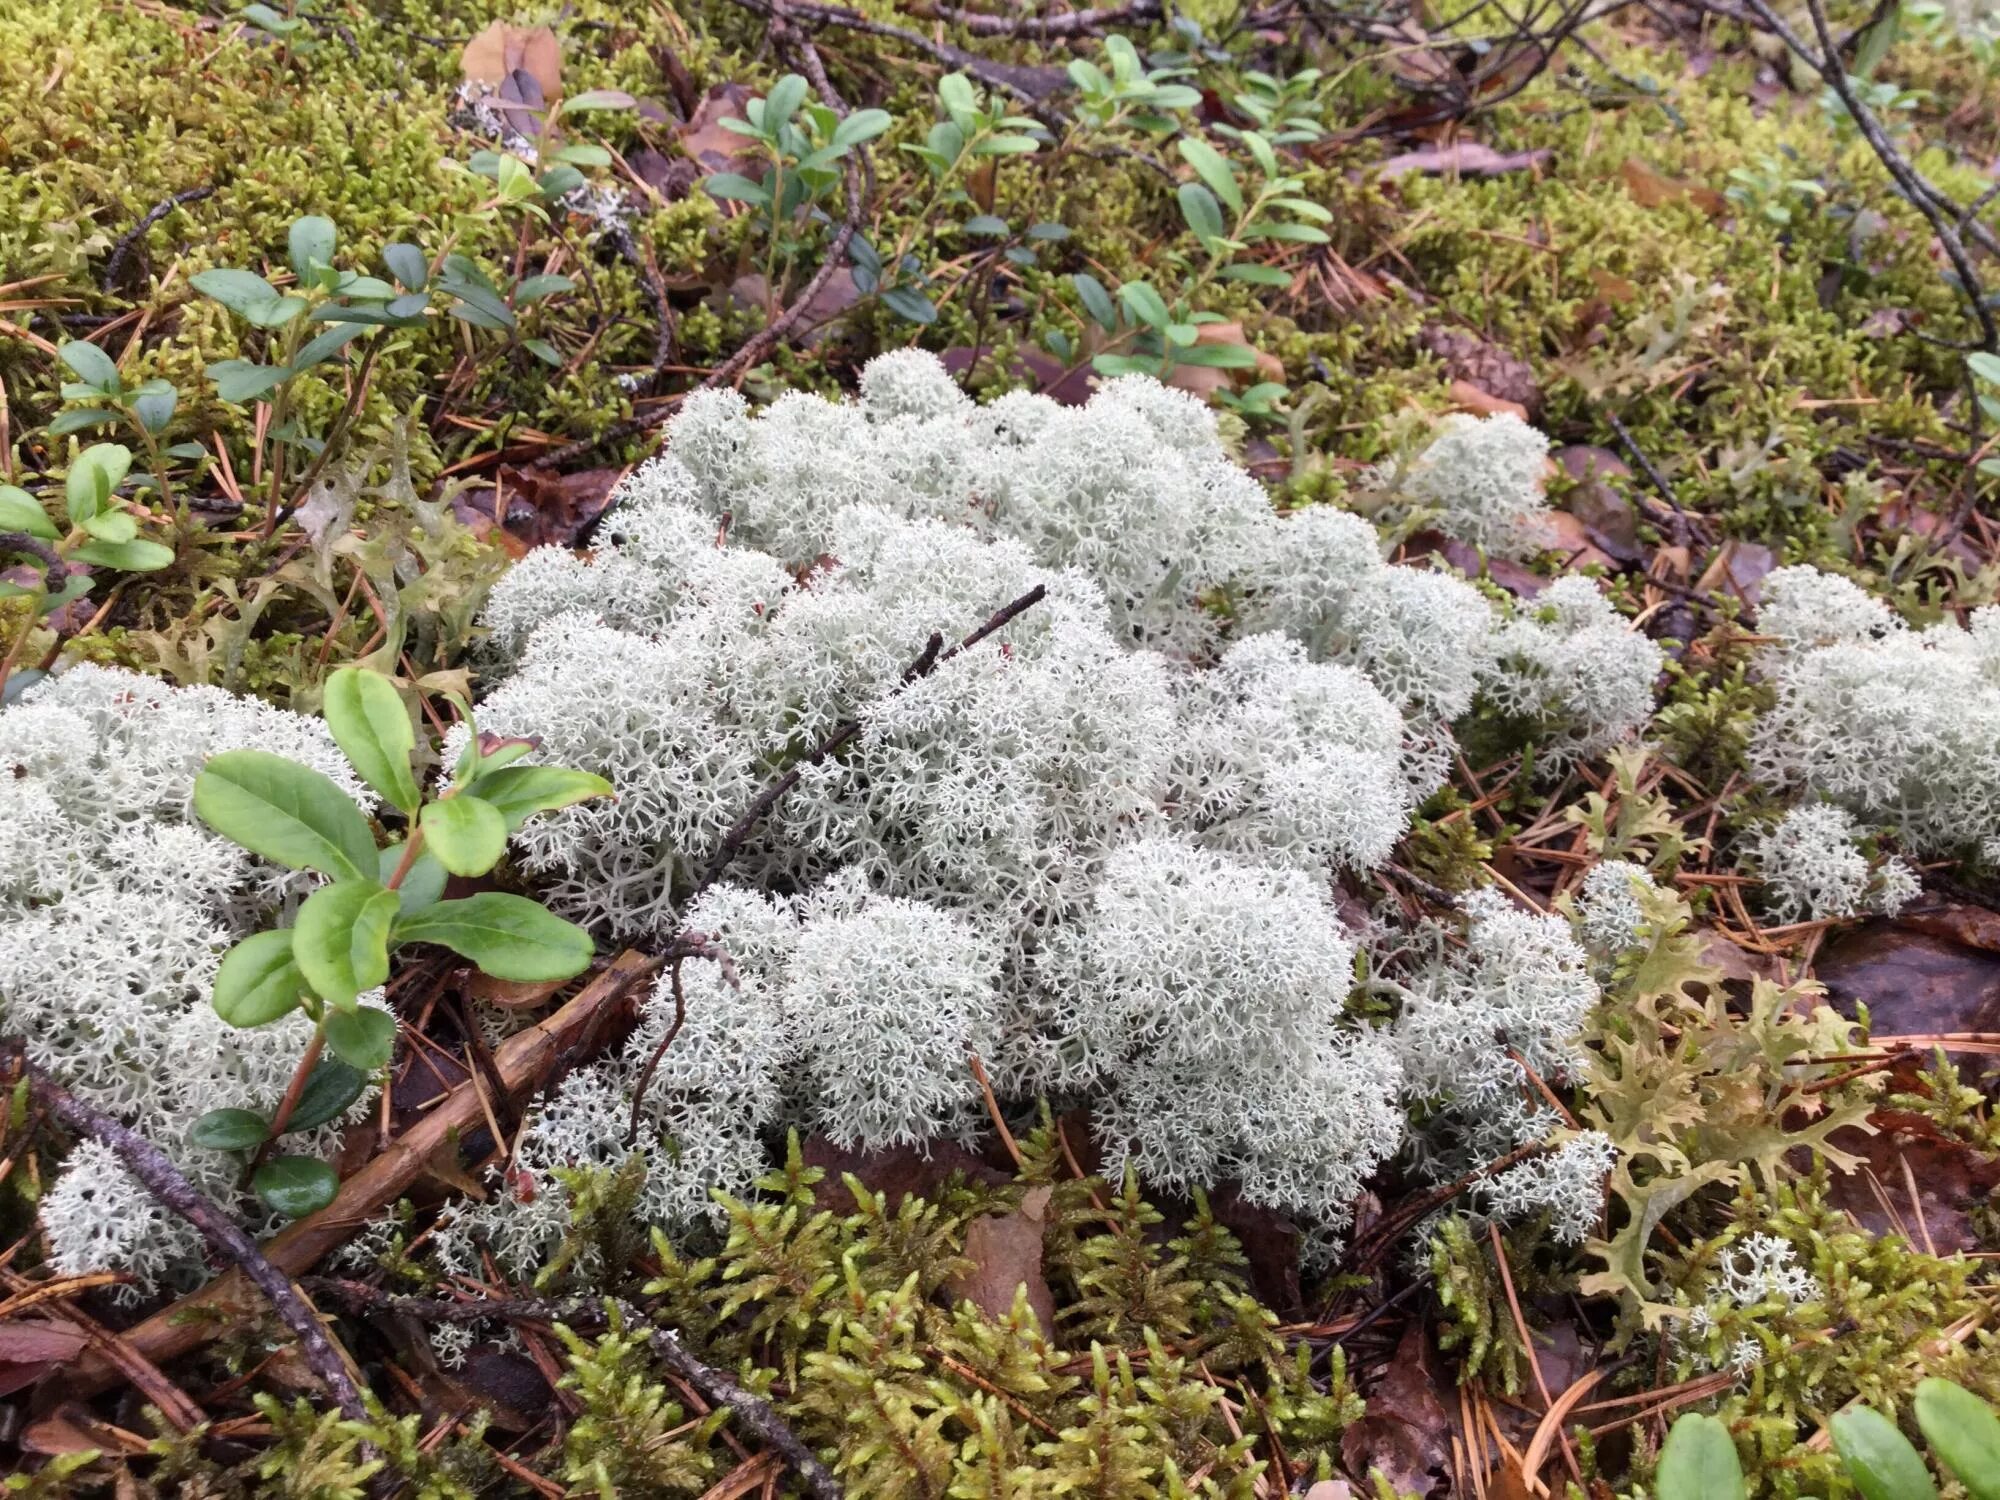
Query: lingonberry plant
point(376, 900)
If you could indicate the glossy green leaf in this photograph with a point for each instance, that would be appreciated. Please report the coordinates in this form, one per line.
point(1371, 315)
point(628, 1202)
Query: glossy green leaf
point(329, 1093)
point(311, 243)
point(240, 380)
point(80, 419)
point(1699, 1462)
point(1213, 168)
point(230, 1130)
point(154, 405)
point(423, 883)
point(324, 345)
point(519, 792)
point(1199, 208)
point(862, 125)
point(363, 1038)
point(295, 1186)
point(236, 290)
point(598, 99)
point(274, 314)
point(786, 95)
point(1964, 1433)
point(259, 980)
point(535, 288)
point(341, 939)
point(286, 812)
point(407, 264)
point(91, 364)
point(112, 526)
point(734, 187)
point(1096, 301)
point(508, 937)
point(1883, 1464)
point(20, 511)
point(467, 834)
point(127, 557)
point(372, 727)
point(543, 350)
point(1144, 304)
point(94, 478)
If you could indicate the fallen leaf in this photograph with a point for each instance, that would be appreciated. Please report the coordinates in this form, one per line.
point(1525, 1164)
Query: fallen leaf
point(1974, 926)
point(1652, 188)
point(30, 1348)
point(1466, 158)
point(511, 994)
point(1006, 1255)
point(1610, 519)
point(1569, 536)
point(1406, 1429)
point(539, 507)
point(1270, 1243)
point(714, 149)
point(1912, 983)
point(1952, 1181)
point(1206, 380)
point(1741, 568)
point(835, 297)
point(502, 50)
point(1482, 403)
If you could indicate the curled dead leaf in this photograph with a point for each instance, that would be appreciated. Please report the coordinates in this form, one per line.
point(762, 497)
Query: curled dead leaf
point(1652, 188)
point(1006, 1255)
point(503, 49)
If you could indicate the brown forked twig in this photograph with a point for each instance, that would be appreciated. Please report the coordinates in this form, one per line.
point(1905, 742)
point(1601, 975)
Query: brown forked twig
point(752, 1412)
point(165, 1181)
point(931, 658)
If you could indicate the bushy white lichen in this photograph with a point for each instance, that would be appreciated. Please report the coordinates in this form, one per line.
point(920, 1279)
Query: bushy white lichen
point(1610, 917)
point(115, 910)
point(1813, 868)
point(1480, 480)
point(1899, 726)
point(1569, 667)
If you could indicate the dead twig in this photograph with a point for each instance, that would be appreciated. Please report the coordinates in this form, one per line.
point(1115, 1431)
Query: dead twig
point(231, 1298)
point(160, 1177)
point(685, 946)
point(753, 1413)
point(115, 261)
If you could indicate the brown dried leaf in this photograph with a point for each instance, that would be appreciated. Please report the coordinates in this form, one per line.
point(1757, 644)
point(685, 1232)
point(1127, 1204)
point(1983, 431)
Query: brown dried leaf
point(712, 148)
point(1406, 1431)
point(1912, 983)
point(1975, 926)
point(1651, 188)
point(502, 49)
point(1006, 1254)
point(896, 1173)
point(1483, 403)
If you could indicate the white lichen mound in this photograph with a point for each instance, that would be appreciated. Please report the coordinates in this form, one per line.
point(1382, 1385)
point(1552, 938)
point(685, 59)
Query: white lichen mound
point(1480, 1024)
point(1480, 480)
point(1573, 671)
point(115, 910)
point(1899, 726)
point(1813, 868)
point(1093, 849)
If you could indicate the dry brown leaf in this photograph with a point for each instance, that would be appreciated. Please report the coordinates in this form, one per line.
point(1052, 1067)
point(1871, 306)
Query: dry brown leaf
point(502, 49)
point(1006, 1255)
point(1483, 403)
point(712, 148)
point(1206, 380)
point(1652, 188)
point(1406, 1431)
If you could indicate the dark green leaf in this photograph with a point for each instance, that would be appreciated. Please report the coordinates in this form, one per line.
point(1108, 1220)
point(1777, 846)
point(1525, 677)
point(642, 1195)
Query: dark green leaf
point(734, 187)
point(407, 264)
point(330, 1091)
point(598, 99)
point(466, 833)
point(1699, 1462)
point(862, 125)
point(230, 1130)
point(327, 343)
point(286, 812)
point(154, 405)
point(362, 1038)
point(786, 95)
point(908, 302)
point(519, 792)
point(991, 225)
point(127, 557)
point(92, 365)
point(341, 939)
point(311, 243)
point(1964, 1433)
point(238, 291)
point(584, 155)
point(372, 727)
point(80, 418)
point(114, 525)
point(534, 288)
point(508, 937)
point(1214, 169)
point(1255, 274)
point(1883, 1464)
point(1145, 305)
point(240, 380)
point(295, 1186)
point(259, 980)
point(543, 350)
point(423, 883)
point(274, 314)
point(1202, 212)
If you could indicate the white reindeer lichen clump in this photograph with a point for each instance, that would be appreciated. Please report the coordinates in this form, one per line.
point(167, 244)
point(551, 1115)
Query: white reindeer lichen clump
point(1091, 850)
point(1813, 868)
point(1480, 480)
point(1899, 726)
point(116, 907)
